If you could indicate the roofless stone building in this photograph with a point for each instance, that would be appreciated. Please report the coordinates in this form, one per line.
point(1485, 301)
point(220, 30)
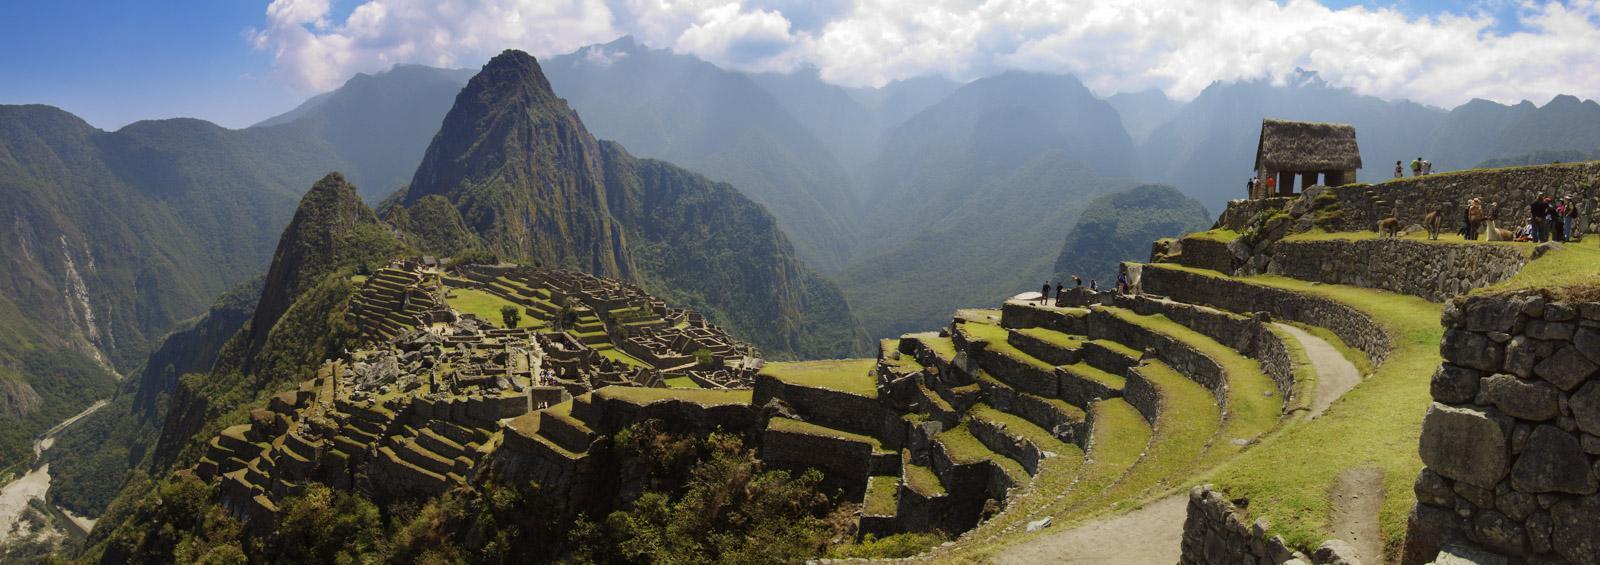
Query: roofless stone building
point(1307, 149)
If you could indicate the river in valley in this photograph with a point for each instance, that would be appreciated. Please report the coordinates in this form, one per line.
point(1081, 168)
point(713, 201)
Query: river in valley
point(14, 496)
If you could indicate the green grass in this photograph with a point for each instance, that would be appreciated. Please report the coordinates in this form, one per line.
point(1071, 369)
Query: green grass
point(1376, 424)
point(1020, 427)
point(1052, 337)
point(942, 347)
point(624, 358)
point(851, 376)
point(487, 307)
point(995, 338)
point(641, 395)
point(883, 495)
point(1117, 440)
point(1254, 405)
point(1088, 372)
point(920, 478)
point(1219, 235)
point(681, 382)
point(1572, 272)
point(791, 425)
point(1188, 422)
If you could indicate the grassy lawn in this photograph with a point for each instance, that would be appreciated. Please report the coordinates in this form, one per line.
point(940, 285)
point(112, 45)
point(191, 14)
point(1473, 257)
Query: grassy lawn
point(1376, 424)
point(624, 358)
point(1572, 271)
point(1053, 337)
point(883, 495)
point(487, 307)
point(641, 395)
point(1219, 235)
point(681, 382)
point(920, 478)
point(853, 376)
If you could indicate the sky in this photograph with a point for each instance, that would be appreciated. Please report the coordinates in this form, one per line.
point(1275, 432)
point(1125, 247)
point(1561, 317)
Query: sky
point(236, 62)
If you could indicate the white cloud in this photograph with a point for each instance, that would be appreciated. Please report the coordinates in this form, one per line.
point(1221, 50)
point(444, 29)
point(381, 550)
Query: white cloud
point(1179, 46)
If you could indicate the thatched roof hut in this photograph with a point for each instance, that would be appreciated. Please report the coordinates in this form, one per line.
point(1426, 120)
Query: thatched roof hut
point(1297, 147)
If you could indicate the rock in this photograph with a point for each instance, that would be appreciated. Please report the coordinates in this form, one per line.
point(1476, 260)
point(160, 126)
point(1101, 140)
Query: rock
point(1587, 341)
point(1472, 350)
point(1433, 489)
point(1459, 554)
point(1427, 528)
point(1573, 533)
point(1519, 436)
point(1335, 552)
point(1538, 528)
point(1552, 462)
point(1039, 524)
point(1463, 444)
point(1585, 404)
point(1567, 368)
point(1522, 353)
point(1478, 496)
point(1499, 533)
point(1543, 248)
point(1483, 314)
point(1454, 384)
point(1516, 505)
point(1552, 331)
point(1533, 305)
point(1560, 312)
point(1528, 400)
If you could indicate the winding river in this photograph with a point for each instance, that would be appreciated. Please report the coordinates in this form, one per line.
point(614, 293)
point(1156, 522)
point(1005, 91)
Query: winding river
point(15, 496)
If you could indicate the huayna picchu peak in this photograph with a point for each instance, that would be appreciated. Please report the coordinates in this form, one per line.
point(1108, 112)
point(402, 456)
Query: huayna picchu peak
point(789, 283)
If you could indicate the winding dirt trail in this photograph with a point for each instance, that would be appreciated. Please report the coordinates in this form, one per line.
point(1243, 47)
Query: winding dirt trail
point(1153, 534)
point(1335, 374)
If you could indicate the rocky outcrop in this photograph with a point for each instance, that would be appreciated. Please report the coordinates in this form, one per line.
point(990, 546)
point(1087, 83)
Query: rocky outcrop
point(1511, 442)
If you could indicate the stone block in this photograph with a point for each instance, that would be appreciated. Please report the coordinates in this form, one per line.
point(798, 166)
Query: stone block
point(1585, 404)
point(1477, 496)
point(1454, 384)
point(1464, 444)
point(1486, 314)
point(1587, 341)
point(1499, 533)
point(1471, 349)
point(1538, 526)
point(1553, 331)
point(1553, 461)
point(1522, 353)
point(1517, 505)
point(1573, 534)
point(1433, 489)
point(1335, 552)
point(1566, 368)
point(1529, 400)
point(1560, 312)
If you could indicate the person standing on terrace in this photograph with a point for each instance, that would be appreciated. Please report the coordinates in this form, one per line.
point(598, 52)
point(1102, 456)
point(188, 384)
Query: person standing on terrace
point(1399, 171)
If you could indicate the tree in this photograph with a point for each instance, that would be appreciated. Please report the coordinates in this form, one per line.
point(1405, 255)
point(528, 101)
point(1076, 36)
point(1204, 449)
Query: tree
point(511, 315)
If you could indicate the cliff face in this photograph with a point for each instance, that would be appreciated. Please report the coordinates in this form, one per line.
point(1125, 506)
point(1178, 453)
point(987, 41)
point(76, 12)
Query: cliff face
point(532, 184)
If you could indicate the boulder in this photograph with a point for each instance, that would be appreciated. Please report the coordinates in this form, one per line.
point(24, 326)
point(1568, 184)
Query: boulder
point(1484, 314)
point(1464, 444)
point(1573, 533)
point(1454, 384)
point(1528, 400)
point(1470, 349)
point(1567, 368)
point(1553, 461)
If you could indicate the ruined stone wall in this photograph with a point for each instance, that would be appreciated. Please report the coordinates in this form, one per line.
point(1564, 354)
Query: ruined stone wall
point(834, 409)
point(1239, 212)
point(1430, 270)
point(1355, 328)
point(1202, 253)
point(1249, 336)
point(1512, 439)
point(1514, 188)
point(1214, 533)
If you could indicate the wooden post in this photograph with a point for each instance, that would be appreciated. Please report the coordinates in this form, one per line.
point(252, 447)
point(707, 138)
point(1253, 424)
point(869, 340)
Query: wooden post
point(1285, 183)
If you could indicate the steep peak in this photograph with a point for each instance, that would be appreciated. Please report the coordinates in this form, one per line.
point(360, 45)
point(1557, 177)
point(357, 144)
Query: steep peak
point(512, 72)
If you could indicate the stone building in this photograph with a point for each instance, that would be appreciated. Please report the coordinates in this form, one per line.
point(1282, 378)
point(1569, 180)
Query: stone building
point(1308, 150)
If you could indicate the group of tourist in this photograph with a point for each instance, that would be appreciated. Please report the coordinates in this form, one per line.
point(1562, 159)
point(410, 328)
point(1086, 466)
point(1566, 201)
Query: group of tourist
point(1266, 187)
point(1123, 287)
point(1550, 219)
point(1419, 168)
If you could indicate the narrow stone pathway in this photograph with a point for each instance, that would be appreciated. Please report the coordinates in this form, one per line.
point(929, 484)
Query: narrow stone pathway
point(1153, 534)
point(1335, 374)
point(1357, 496)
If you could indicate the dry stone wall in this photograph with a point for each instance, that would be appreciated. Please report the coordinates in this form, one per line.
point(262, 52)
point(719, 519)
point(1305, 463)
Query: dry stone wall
point(1514, 188)
point(1512, 439)
point(1432, 271)
point(1215, 533)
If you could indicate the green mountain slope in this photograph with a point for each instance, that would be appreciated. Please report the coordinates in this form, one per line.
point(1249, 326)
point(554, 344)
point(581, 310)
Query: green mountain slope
point(1120, 226)
point(532, 184)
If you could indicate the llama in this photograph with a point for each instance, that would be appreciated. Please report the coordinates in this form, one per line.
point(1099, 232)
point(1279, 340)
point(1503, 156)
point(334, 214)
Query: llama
point(1432, 221)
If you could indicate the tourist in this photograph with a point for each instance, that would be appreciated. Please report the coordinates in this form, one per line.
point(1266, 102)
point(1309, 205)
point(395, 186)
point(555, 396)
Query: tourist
point(1571, 219)
point(1077, 282)
point(1272, 185)
point(1399, 171)
point(1250, 188)
point(1427, 168)
point(1122, 282)
point(1475, 218)
point(1059, 292)
point(1093, 287)
point(1416, 167)
point(1044, 295)
point(1537, 212)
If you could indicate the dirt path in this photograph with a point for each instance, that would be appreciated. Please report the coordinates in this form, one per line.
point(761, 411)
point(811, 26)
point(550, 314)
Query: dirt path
point(1335, 374)
point(1153, 534)
point(1357, 495)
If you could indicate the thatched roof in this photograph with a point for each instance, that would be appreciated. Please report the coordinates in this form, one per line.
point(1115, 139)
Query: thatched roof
point(1307, 147)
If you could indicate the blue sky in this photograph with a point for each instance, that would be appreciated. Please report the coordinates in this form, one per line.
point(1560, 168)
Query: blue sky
point(235, 62)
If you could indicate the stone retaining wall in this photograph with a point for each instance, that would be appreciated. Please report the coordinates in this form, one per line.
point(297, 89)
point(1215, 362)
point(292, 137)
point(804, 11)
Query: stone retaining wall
point(1432, 271)
point(1512, 439)
point(1249, 336)
point(1355, 328)
point(1514, 188)
point(1237, 215)
point(1202, 253)
point(838, 410)
point(1214, 533)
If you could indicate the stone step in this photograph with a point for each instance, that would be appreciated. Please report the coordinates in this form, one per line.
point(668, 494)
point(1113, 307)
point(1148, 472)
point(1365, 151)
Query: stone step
point(558, 424)
point(1050, 346)
point(1082, 383)
point(421, 457)
point(1110, 356)
point(439, 444)
point(1014, 437)
point(1062, 419)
